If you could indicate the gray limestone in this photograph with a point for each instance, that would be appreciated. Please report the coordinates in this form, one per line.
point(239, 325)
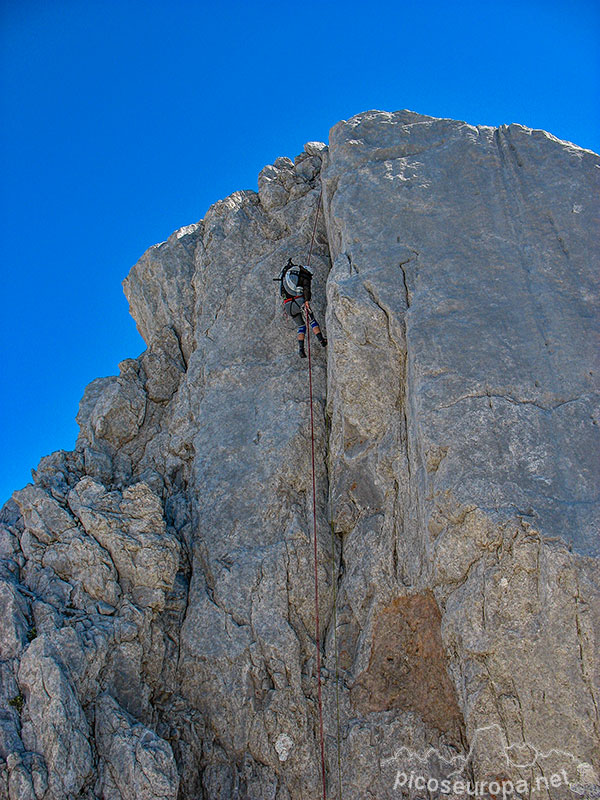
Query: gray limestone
point(156, 584)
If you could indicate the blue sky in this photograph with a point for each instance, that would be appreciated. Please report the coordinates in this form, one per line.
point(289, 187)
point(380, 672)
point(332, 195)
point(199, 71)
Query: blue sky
point(122, 121)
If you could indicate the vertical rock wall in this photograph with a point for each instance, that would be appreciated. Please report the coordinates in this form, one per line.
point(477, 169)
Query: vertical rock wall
point(158, 636)
point(462, 315)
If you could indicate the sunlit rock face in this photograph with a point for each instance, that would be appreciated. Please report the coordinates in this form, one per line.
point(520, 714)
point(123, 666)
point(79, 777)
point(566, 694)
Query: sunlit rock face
point(157, 589)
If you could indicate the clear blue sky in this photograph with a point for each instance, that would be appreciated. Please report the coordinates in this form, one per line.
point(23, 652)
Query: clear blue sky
point(122, 121)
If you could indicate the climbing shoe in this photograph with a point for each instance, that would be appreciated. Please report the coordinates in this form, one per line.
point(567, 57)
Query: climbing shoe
point(323, 342)
point(301, 353)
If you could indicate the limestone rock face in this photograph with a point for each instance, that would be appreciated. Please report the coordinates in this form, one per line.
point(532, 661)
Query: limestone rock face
point(156, 584)
point(462, 311)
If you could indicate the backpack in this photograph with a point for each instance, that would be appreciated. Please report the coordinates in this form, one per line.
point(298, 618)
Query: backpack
point(294, 278)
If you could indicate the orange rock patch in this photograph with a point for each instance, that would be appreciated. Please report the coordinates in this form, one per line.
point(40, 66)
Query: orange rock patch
point(408, 666)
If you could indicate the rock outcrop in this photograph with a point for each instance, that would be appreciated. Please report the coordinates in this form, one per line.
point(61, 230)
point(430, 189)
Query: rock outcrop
point(157, 582)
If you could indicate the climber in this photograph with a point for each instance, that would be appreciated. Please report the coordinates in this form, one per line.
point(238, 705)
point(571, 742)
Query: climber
point(295, 283)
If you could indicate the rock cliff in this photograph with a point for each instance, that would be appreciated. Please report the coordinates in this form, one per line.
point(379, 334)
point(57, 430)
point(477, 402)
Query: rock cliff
point(157, 582)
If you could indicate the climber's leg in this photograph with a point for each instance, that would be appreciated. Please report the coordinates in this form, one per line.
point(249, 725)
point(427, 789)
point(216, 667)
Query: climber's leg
point(317, 330)
point(296, 313)
point(301, 337)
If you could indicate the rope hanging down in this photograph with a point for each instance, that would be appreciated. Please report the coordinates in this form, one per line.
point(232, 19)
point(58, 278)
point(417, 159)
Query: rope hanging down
point(335, 646)
point(314, 498)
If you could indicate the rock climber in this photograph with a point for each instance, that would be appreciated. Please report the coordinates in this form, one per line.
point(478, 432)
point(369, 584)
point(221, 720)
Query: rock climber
point(295, 283)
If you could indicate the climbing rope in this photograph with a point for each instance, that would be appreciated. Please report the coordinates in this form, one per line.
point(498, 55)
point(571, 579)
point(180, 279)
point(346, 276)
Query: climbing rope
point(335, 645)
point(314, 499)
point(316, 572)
point(312, 241)
point(314, 494)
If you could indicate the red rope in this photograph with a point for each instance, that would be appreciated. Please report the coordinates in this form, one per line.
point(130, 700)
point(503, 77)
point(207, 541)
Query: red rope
point(314, 494)
point(312, 241)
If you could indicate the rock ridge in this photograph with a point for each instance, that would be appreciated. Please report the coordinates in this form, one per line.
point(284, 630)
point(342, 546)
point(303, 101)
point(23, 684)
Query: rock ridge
point(158, 616)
